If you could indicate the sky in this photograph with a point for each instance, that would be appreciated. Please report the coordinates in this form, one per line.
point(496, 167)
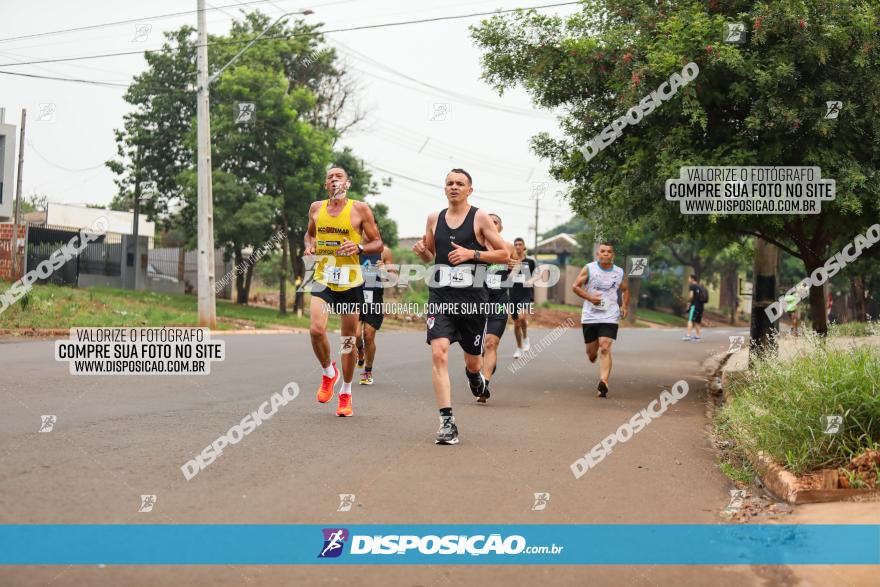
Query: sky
point(412, 132)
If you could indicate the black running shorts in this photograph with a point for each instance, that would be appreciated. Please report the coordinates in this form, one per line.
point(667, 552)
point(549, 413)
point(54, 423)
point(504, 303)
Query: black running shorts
point(373, 312)
point(467, 330)
point(347, 301)
point(496, 324)
point(595, 330)
point(695, 314)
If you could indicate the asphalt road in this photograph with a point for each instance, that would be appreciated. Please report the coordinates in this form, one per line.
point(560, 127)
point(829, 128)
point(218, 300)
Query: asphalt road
point(119, 437)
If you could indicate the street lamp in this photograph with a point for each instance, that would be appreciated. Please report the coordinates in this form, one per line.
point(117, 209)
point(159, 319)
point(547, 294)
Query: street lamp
point(205, 210)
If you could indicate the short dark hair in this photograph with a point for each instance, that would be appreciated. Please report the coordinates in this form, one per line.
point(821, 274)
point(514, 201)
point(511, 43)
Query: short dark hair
point(606, 243)
point(520, 239)
point(695, 277)
point(344, 170)
point(462, 171)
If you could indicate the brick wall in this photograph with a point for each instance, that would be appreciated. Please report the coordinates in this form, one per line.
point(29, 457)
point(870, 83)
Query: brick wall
point(6, 243)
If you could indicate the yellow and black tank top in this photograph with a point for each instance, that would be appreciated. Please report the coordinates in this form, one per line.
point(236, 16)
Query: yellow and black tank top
point(337, 272)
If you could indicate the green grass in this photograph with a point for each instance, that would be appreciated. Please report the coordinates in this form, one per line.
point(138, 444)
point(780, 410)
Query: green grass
point(741, 473)
point(660, 317)
point(561, 307)
point(50, 306)
point(779, 407)
point(643, 314)
point(855, 329)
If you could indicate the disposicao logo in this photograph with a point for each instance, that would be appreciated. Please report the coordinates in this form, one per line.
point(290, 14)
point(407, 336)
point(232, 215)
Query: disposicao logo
point(334, 541)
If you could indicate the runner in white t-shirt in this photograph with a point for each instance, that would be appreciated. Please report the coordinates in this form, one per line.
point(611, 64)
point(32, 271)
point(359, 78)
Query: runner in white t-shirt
point(597, 284)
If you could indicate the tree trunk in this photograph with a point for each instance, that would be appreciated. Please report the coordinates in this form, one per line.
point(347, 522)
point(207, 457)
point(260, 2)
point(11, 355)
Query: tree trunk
point(860, 311)
point(731, 287)
point(240, 291)
point(818, 313)
point(248, 280)
point(282, 274)
point(299, 270)
point(635, 285)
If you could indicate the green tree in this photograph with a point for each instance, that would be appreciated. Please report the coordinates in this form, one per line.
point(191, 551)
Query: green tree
point(762, 103)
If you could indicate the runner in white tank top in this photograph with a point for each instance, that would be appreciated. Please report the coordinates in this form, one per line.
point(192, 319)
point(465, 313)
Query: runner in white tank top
point(598, 283)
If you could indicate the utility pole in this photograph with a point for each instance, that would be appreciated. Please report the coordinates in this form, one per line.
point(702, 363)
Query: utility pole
point(537, 199)
point(18, 200)
point(763, 331)
point(207, 301)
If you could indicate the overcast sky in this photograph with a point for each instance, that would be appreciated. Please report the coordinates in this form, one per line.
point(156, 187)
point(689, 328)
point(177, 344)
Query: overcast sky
point(64, 156)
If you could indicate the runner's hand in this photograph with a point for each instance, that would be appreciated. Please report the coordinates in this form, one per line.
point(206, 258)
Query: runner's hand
point(512, 263)
point(419, 248)
point(310, 250)
point(594, 298)
point(460, 254)
point(624, 311)
point(347, 249)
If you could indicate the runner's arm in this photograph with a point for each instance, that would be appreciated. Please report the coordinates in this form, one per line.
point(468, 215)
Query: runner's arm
point(578, 287)
point(624, 287)
point(497, 249)
point(372, 239)
point(309, 239)
point(425, 247)
point(387, 263)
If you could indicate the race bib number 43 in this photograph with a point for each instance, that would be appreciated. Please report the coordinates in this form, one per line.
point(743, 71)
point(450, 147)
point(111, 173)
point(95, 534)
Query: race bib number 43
point(454, 277)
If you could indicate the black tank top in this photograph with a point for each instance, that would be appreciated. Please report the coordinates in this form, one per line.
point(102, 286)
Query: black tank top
point(464, 236)
point(368, 268)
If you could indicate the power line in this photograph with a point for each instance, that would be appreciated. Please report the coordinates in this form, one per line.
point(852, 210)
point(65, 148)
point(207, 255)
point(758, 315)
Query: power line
point(66, 79)
point(287, 36)
point(127, 21)
point(435, 186)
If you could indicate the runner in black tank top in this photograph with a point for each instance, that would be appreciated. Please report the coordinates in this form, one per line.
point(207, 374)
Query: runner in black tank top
point(374, 268)
point(466, 278)
point(455, 247)
point(497, 286)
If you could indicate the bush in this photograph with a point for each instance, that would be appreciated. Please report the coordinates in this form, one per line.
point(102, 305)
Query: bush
point(781, 405)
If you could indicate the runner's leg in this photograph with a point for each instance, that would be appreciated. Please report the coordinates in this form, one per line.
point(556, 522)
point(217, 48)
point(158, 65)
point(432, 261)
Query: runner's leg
point(318, 316)
point(490, 355)
point(440, 372)
point(604, 357)
point(369, 344)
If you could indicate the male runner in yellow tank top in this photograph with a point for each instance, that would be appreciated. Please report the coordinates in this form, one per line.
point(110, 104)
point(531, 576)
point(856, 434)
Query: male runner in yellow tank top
point(334, 237)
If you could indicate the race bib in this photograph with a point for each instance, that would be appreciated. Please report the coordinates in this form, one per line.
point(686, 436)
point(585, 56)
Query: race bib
point(454, 277)
point(493, 281)
point(368, 296)
point(336, 275)
point(602, 305)
point(519, 278)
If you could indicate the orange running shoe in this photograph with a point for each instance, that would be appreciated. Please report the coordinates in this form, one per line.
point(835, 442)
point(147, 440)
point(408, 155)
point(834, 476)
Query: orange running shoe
point(325, 392)
point(344, 408)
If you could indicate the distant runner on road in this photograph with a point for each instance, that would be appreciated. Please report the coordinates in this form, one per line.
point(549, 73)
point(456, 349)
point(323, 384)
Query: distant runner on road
point(334, 237)
point(598, 283)
point(522, 292)
point(697, 295)
point(497, 285)
point(461, 240)
point(372, 314)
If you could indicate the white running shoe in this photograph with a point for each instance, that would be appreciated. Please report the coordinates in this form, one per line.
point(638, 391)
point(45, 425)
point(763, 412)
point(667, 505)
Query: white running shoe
point(518, 353)
point(526, 345)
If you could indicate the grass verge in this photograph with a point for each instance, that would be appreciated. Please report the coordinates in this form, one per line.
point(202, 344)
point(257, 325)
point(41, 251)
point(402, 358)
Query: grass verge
point(51, 306)
point(781, 406)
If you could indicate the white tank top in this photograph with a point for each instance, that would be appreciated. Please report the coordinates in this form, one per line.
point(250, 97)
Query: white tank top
point(604, 282)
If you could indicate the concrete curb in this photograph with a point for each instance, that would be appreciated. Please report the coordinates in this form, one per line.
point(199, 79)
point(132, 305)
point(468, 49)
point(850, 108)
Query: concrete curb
point(779, 481)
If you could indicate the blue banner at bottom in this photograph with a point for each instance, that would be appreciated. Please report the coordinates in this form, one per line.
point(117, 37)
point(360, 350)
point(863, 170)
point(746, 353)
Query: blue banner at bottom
point(642, 544)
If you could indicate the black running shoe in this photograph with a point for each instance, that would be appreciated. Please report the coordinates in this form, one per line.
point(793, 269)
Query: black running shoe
point(448, 433)
point(603, 389)
point(482, 399)
point(477, 386)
